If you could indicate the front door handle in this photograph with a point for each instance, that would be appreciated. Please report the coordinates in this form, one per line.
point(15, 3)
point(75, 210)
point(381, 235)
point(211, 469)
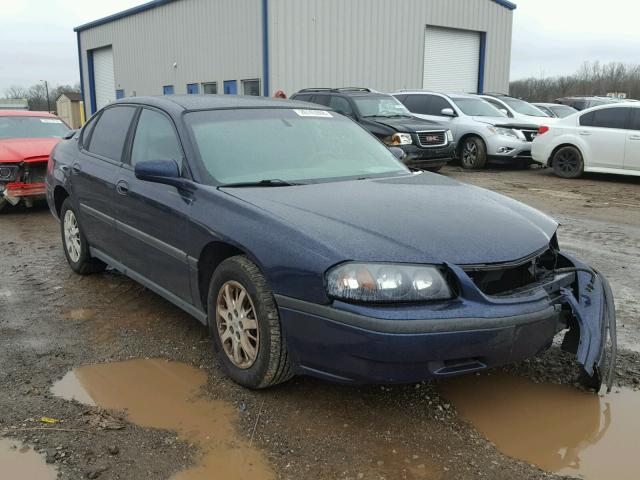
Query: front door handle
point(585, 133)
point(634, 137)
point(122, 187)
point(76, 168)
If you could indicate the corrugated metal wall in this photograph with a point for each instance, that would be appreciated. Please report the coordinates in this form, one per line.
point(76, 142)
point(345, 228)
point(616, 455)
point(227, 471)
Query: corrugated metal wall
point(376, 43)
point(210, 40)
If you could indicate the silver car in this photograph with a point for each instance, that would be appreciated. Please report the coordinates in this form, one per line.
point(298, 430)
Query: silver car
point(483, 133)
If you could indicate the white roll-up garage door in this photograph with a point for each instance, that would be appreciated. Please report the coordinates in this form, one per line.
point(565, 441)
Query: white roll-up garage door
point(451, 60)
point(103, 76)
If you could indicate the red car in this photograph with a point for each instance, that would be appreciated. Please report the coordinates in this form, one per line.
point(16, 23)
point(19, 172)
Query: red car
point(26, 140)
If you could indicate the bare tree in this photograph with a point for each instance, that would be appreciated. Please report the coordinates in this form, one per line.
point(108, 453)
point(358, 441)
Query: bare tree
point(592, 78)
point(15, 92)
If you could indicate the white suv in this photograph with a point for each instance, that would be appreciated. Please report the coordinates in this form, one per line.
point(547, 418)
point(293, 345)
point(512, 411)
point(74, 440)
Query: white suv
point(518, 110)
point(603, 139)
point(482, 132)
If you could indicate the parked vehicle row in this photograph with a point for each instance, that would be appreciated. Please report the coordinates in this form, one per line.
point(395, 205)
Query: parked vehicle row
point(308, 248)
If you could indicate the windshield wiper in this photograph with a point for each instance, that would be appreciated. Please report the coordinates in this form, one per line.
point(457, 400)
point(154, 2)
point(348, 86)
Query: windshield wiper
point(270, 182)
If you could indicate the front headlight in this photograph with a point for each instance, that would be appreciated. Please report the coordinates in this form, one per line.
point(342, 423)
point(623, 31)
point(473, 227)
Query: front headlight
point(450, 135)
point(386, 282)
point(507, 132)
point(399, 139)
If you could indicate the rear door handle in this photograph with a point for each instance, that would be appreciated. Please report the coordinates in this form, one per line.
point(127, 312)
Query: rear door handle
point(634, 137)
point(585, 133)
point(76, 168)
point(122, 187)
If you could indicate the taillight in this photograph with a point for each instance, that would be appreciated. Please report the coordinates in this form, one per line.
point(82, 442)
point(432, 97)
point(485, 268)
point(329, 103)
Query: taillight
point(543, 129)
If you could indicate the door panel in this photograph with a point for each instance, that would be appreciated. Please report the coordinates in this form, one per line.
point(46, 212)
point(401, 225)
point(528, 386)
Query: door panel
point(152, 218)
point(632, 148)
point(93, 175)
point(605, 134)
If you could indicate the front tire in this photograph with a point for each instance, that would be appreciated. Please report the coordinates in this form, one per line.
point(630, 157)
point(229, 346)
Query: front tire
point(567, 162)
point(74, 243)
point(473, 153)
point(245, 325)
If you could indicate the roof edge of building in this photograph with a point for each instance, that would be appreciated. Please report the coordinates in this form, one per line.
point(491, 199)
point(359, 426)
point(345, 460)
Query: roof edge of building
point(506, 4)
point(158, 3)
point(125, 13)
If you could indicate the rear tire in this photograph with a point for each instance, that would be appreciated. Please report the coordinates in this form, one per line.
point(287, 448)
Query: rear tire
point(567, 162)
point(74, 243)
point(473, 153)
point(245, 325)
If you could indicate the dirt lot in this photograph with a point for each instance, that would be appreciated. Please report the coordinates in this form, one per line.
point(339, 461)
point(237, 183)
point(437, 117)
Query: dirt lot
point(145, 417)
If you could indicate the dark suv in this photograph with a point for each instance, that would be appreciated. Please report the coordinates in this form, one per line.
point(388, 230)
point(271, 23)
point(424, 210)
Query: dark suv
point(428, 145)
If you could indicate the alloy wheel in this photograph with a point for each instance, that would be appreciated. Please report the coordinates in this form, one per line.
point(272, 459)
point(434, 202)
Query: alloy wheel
point(237, 324)
point(469, 154)
point(568, 161)
point(72, 236)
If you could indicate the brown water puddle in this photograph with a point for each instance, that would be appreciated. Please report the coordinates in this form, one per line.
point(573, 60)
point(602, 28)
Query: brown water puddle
point(160, 394)
point(20, 462)
point(558, 428)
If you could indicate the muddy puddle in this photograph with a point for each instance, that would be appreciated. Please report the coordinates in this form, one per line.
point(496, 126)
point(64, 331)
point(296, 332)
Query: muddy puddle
point(161, 394)
point(21, 462)
point(556, 427)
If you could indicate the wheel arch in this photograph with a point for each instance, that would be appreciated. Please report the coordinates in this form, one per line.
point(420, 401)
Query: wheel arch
point(562, 145)
point(60, 194)
point(211, 256)
point(465, 137)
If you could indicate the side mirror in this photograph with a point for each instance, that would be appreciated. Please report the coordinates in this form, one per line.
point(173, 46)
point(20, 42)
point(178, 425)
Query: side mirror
point(448, 112)
point(398, 152)
point(160, 171)
point(69, 135)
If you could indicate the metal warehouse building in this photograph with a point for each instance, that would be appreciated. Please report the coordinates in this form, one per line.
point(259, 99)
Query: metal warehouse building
point(255, 47)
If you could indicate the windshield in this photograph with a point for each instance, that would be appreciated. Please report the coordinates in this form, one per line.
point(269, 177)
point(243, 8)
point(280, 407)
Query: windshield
point(32, 127)
point(476, 107)
point(523, 107)
point(297, 146)
point(382, 106)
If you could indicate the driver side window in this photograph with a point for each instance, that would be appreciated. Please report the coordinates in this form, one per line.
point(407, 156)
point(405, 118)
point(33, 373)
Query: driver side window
point(155, 139)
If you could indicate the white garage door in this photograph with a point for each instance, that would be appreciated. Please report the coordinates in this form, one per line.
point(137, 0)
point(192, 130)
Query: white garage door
point(451, 60)
point(103, 76)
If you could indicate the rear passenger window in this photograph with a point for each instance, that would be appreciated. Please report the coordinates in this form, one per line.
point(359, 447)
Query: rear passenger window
point(303, 98)
point(110, 132)
point(155, 139)
point(322, 100)
point(341, 105)
point(606, 118)
point(418, 103)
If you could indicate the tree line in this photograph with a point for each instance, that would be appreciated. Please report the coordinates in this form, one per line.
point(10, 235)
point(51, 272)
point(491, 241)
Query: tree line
point(36, 95)
point(593, 78)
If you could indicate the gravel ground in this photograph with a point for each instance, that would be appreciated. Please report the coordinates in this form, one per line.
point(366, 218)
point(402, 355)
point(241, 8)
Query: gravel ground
point(52, 320)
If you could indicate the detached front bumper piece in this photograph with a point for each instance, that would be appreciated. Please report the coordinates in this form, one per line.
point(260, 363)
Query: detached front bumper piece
point(408, 343)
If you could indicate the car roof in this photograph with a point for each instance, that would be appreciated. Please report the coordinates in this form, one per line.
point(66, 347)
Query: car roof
point(433, 92)
point(212, 102)
point(25, 113)
point(348, 91)
point(612, 105)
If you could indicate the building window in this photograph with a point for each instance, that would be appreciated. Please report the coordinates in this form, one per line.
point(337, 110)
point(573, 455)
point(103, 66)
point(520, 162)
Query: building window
point(251, 87)
point(167, 90)
point(119, 94)
point(210, 88)
point(193, 88)
point(230, 87)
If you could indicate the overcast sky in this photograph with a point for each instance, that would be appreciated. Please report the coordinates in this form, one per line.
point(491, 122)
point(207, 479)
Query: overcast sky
point(550, 37)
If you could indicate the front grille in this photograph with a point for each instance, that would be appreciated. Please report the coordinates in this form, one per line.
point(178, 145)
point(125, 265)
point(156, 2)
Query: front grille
point(501, 279)
point(432, 139)
point(530, 134)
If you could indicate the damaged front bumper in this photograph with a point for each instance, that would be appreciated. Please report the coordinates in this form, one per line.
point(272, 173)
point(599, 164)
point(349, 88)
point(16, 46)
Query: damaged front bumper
point(22, 181)
point(357, 343)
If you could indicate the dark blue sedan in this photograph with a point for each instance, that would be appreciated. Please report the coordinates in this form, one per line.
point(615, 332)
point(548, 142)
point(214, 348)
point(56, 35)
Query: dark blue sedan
point(308, 248)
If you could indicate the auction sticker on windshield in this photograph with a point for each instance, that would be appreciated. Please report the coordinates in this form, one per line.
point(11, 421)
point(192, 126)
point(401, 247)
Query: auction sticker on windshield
point(50, 120)
point(312, 113)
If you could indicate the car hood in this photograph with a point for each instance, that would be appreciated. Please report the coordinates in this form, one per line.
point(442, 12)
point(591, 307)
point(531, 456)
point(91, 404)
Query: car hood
point(26, 149)
point(405, 125)
point(422, 218)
